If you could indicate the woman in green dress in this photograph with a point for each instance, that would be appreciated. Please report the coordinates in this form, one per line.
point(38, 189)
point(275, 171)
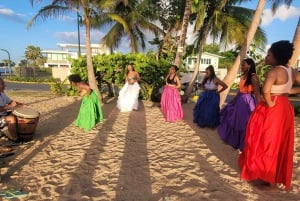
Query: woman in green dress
point(90, 112)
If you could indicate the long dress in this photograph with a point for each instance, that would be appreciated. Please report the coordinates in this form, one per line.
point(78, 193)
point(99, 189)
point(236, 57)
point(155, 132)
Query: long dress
point(269, 143)
point(235, 115)
point(128, 97)
point(171, 101)
point(90, 112)
point(206, 110)
point(171, 104)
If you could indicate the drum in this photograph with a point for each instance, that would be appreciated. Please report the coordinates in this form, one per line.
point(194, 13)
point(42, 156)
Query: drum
point(27, 120)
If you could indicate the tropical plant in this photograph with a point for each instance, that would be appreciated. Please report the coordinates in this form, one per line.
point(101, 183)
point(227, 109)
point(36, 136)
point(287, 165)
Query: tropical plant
point(129, 19)
point(34, 57)
point(112, 70)
point(90, 10)
point(224, 21)
point(183, 32)
point(229, 78)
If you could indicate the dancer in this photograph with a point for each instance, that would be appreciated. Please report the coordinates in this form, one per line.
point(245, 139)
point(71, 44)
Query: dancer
point(170, 99)
point(206, 111)
point(129, 94)
point(235, 115)
point(90, 112)
point(269, 140)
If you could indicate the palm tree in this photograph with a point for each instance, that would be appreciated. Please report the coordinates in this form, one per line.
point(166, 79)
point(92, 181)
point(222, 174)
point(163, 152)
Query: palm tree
point(89, 8)
point(185, 23)
point(222, 20)
point(230, 76)
point(170, 15)
point(296, 42)
point(130, 19)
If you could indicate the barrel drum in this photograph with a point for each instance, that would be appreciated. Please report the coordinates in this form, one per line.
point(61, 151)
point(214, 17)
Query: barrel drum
point(27, 121)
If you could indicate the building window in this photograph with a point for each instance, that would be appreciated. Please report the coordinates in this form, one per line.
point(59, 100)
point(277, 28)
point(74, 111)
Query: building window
point(206, 61)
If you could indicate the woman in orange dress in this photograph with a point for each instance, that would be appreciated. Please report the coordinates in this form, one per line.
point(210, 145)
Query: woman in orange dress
point(269, 140)
point(235, 115)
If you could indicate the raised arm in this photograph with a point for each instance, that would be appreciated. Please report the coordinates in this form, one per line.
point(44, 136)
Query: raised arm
point(256, 89)
point(222, 84)
point(269, 81)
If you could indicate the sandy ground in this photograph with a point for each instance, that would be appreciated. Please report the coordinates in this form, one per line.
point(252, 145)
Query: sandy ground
point(134, 156)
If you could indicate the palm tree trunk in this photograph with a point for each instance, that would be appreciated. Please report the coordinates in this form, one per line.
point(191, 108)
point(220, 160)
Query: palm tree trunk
point(231, 74)
point(90, 67)
point(185, 23)
point(296, 42)
point(204, 30)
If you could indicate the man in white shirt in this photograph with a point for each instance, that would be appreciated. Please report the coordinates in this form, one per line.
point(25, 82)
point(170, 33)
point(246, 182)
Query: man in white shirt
point(6, 119)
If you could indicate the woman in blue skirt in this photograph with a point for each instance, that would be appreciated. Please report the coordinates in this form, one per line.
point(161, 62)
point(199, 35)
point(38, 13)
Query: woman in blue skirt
point(206, 111)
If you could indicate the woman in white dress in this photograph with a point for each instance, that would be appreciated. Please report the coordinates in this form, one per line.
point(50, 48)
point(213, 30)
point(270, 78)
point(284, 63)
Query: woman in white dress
point(129, 94)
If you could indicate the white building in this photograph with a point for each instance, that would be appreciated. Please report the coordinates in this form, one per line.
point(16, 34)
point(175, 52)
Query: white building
point(62, 57)
point(61, 60)
point(206, 60)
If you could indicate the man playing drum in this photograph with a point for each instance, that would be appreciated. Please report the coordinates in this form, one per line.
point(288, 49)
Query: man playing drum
point(7, 119)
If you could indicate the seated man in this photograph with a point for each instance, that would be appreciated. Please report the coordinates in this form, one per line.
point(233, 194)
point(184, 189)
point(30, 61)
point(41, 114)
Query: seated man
point(7, 119)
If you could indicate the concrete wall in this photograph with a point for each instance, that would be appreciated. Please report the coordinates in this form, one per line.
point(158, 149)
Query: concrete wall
point(61, 73)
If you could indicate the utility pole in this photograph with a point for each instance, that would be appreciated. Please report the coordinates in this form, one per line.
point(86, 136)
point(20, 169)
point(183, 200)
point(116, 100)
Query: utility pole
point(79, 20)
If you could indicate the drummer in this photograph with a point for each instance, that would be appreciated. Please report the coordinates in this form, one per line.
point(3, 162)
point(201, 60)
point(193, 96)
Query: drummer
point(6, 118)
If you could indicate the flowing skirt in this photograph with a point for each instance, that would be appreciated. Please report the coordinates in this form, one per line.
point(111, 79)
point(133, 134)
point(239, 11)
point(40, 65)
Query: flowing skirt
point(128, 99)
point(90, 112)
point(234, 118)
point(171, 104)
point(206, 110)
point(269, 144)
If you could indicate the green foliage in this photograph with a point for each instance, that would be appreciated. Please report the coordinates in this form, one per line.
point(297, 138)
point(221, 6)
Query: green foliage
point(34, 56)
point(111, 69)
point(58, 87)
point(228, 59)
point(212, 48)
point(31, 79)
point(261, 71)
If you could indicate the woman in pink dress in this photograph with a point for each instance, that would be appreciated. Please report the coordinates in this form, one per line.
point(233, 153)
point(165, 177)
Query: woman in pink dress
point(269, 140)
point(170, 99)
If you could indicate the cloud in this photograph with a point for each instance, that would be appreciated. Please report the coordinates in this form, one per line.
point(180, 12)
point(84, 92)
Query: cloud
point(11, 15)
point(282, 14)
point(72, 37)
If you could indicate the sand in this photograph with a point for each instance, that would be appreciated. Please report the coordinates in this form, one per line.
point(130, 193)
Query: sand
point(134, 156)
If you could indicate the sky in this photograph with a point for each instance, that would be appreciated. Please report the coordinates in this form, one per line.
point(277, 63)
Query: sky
point(15, 37)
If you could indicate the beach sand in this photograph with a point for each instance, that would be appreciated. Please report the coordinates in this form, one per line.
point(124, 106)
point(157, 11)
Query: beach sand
point(134, 156)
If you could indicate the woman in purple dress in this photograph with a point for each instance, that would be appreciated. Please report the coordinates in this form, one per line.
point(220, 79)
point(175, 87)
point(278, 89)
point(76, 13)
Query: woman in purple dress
point(234, 116)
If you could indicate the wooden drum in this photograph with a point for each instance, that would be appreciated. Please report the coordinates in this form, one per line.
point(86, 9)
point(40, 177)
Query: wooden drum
point(27, 120)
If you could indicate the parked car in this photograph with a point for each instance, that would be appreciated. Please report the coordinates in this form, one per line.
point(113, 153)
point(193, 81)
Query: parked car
point(5, 71)
point(187, 77)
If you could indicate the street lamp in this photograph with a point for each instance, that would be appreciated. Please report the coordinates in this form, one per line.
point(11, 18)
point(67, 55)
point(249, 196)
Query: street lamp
point(79, 20)
point(8, 60)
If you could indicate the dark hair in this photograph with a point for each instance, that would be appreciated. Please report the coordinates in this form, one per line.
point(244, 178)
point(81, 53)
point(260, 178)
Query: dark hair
point(175, 67)
point(282, 51)
point(211, 69)
point(250, 71)
point(74, 78)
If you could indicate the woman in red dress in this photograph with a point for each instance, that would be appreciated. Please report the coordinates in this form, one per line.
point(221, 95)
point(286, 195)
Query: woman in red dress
point(269, 140)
